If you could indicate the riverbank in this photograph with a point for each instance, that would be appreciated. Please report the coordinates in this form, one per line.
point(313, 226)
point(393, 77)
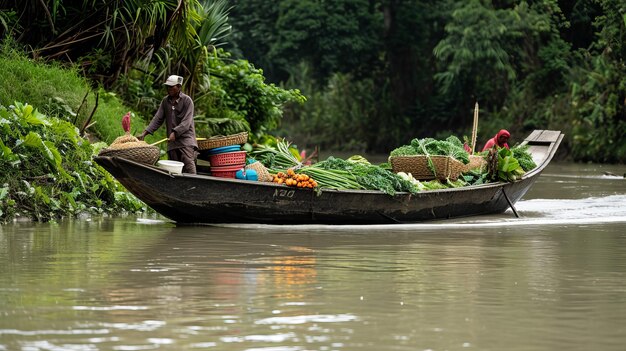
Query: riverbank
point(48, 172)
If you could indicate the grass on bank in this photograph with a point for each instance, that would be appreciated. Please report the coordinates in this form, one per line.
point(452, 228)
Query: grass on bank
point(62, 92)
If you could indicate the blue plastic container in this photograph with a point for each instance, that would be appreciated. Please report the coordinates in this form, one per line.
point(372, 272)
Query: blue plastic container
point(247, 174)
point(251, 175)
point(219, 150)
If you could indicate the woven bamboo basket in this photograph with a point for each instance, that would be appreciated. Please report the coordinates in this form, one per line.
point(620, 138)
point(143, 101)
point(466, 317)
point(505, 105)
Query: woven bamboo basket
point(142, 154)
point(262, 173)
point(476, 162)
point(445, 167)
point(223, 140)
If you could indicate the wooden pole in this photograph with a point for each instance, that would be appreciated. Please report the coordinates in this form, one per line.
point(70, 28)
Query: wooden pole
point(475, 127)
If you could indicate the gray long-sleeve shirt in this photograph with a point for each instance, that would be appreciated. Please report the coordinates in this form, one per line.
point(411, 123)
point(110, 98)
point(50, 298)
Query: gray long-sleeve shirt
point(178, 117)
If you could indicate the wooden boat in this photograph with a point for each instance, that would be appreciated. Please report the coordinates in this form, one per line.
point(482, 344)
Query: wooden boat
point(204, 199)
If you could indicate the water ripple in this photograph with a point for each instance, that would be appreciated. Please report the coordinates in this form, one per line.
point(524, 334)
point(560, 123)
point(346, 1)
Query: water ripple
point(317, 318)
point(109, 308)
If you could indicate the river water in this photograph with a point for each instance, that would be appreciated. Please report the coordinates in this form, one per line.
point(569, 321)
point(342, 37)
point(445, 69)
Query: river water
point(554, 279)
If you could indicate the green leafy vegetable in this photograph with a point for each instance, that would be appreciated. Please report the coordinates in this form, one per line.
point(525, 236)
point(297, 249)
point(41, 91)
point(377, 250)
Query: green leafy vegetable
point(525, 159)
point(509, 168)
point(369, 176)
point(451, 146)
point(404, 150)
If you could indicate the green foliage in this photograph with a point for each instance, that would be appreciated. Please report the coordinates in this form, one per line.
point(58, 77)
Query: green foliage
point(475, 177)
point(371, 69)
point(108, 118)
point(106, 37)
point(238, 93)
point(525, 159)
point(369, 176)
point(599, 126)
point(502, 165)
point(589, 109)
point(551, 75)
point(137, 89)
point(331, 36)
point(487, 50)
point(277, 153)
point(404, 150)
point(46, 170)
point(254, 34)
point(598, 92)
point(451, 146)
point(214, 27)
point(509, 168)
point(340, 116)
point(205, 28)
point(474, 47)
point(30, 80)
point(60, 92)
point(9, 20)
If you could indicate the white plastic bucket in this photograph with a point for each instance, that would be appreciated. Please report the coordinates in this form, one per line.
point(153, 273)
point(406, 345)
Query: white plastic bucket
point(171, 166)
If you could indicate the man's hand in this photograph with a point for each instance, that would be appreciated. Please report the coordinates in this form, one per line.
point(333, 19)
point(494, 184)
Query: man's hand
point(142, 135)
point(172, 137)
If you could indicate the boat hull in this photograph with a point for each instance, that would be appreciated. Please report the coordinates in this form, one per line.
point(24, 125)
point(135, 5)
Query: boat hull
point(203, 199)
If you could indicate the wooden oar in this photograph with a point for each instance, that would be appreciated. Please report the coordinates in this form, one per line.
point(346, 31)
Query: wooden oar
point(510, 203)
point(158, 142)
point(164, 139)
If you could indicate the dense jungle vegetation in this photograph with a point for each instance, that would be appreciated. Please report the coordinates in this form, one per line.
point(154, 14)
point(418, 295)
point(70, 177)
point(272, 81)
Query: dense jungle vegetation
point(357, 75)
point(375, 73)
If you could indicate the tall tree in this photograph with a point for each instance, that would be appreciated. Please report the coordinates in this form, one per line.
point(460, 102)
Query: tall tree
point(411, 31)
point(331, 36)
point(492, 55)
point(254, 32)
point(598, 90)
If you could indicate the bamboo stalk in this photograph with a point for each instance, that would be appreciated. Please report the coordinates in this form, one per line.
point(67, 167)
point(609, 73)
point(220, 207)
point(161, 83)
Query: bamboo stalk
point(158, 142)
point(475, 127)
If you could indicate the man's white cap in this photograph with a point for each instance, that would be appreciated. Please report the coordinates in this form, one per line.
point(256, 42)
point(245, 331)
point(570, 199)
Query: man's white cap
point(174, 80)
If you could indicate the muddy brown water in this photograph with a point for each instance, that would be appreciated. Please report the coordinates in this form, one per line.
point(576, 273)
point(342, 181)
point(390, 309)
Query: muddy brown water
point(553, 279)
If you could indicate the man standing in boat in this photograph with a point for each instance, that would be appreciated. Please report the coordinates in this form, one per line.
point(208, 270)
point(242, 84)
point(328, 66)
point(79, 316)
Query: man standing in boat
point(176, 110)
